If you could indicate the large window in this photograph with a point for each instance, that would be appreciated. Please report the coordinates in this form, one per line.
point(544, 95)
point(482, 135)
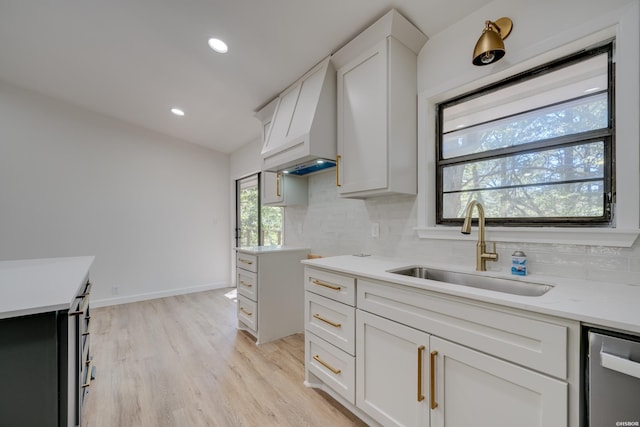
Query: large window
point(255, 225)
point(535, 149)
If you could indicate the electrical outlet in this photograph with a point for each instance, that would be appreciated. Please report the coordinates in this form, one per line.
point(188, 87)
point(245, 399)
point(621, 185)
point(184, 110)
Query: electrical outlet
point(375, 230)
point(115, 290)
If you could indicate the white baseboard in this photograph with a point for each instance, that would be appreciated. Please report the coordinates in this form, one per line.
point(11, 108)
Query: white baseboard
point(153, 295)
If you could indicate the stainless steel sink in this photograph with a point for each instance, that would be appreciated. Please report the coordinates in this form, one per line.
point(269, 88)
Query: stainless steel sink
point(515, 287)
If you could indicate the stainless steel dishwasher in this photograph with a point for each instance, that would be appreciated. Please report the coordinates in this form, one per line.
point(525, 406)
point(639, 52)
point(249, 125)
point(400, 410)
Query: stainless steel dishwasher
point(613, 379)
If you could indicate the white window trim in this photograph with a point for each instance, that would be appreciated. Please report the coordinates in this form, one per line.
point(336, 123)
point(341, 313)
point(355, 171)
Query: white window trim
point(622, 24)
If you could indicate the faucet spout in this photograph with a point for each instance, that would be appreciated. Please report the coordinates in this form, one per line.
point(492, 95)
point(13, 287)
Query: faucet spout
point(482, 256)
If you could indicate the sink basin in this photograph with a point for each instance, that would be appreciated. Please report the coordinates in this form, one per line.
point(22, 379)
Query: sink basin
point(514, 287)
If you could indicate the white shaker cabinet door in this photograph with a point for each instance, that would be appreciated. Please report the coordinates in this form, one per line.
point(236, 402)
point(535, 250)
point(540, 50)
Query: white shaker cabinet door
point(362, 122)
point(272, 188)
point(473, 388)
point(392, 368)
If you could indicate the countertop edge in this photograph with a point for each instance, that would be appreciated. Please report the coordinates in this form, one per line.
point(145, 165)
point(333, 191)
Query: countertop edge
point(37, 276)
point(573, 299)
point(259, 250)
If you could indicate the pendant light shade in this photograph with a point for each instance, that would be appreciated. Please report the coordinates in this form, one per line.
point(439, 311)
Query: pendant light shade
point(490, 45)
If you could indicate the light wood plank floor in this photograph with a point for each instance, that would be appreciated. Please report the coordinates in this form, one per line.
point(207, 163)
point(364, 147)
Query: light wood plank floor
point(180, 361)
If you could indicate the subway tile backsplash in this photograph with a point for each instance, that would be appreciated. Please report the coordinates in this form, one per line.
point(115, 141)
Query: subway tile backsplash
point(331, 225)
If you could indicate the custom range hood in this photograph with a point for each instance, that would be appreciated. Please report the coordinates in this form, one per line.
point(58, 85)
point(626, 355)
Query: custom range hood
point(302, 135)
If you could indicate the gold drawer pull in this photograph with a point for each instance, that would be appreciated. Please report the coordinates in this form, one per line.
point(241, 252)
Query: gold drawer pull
point(420, 355)
point(326, 285)
point(89, 369)
point(82, 308)
point(334, 324)
point(326, 365)
point(245, 261)
point(432, 390)
point(248, 313)
point(87, 290)
point(248, 285)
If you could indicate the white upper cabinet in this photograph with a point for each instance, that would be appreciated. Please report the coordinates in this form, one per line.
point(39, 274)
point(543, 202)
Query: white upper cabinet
point(376, 109)
point(280, 189)
point(304, 123)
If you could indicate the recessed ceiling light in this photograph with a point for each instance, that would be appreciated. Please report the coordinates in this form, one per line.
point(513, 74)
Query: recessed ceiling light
point(177, 112)
point(319, 162)
point(593, 89)
point(218, 45)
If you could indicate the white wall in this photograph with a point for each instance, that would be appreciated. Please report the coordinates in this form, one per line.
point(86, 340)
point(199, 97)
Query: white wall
point(150, 208)
point(335, 226)
point(246, 160)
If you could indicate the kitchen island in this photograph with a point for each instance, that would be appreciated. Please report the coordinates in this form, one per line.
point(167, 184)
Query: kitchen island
point(45, 358)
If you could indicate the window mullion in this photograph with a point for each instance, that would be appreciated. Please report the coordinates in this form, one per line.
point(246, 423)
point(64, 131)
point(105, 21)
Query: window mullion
point(563, 141)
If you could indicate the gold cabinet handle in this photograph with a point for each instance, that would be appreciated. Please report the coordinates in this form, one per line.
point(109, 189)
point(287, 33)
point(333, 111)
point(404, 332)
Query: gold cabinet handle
point(245, 261)
point(432, 380)
point(420, 356)
point(248, 285)
point(278, 175)
point(82, 309)
point(334, 324)
point(89, 368)
point(87, 290)
point(326, 365)
point(338, 157)
point(326, 285)
point(248, 313)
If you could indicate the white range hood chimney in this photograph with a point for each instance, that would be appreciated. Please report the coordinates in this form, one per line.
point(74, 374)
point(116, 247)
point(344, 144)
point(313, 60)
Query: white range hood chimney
point(303, 128)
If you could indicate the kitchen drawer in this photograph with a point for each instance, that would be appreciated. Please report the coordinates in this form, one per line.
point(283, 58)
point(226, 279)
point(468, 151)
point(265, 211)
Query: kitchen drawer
point(247, 261)
point(331, 320)
point(535, 342)
point(333, 366)
point(248, 312)
point(247, 282)
point(335, 286)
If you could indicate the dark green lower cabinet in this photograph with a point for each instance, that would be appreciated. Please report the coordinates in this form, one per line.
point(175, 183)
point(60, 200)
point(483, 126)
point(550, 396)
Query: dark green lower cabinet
point(34, 370)
point(44, 365)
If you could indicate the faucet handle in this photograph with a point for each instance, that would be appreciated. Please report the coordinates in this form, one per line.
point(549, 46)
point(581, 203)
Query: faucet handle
point(495, 252)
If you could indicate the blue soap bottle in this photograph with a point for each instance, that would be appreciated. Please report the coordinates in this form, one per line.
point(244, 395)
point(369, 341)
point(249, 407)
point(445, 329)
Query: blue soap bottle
point(519, 263)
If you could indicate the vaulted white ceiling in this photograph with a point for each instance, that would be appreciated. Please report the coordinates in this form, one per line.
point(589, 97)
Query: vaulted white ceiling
point(135, 59)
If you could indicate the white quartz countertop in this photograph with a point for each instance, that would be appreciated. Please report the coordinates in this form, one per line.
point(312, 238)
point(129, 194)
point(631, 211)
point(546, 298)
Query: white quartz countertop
point(41, 285)
point(256, 250)
point(609, 305)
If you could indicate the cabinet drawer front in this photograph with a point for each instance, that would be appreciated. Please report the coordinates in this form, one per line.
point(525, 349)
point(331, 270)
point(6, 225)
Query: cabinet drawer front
point(335, 286)
point(247, 261)
point(333, 366)
point(248, 312)
point(535, 344)
point(247, 283)
point(331, 320)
